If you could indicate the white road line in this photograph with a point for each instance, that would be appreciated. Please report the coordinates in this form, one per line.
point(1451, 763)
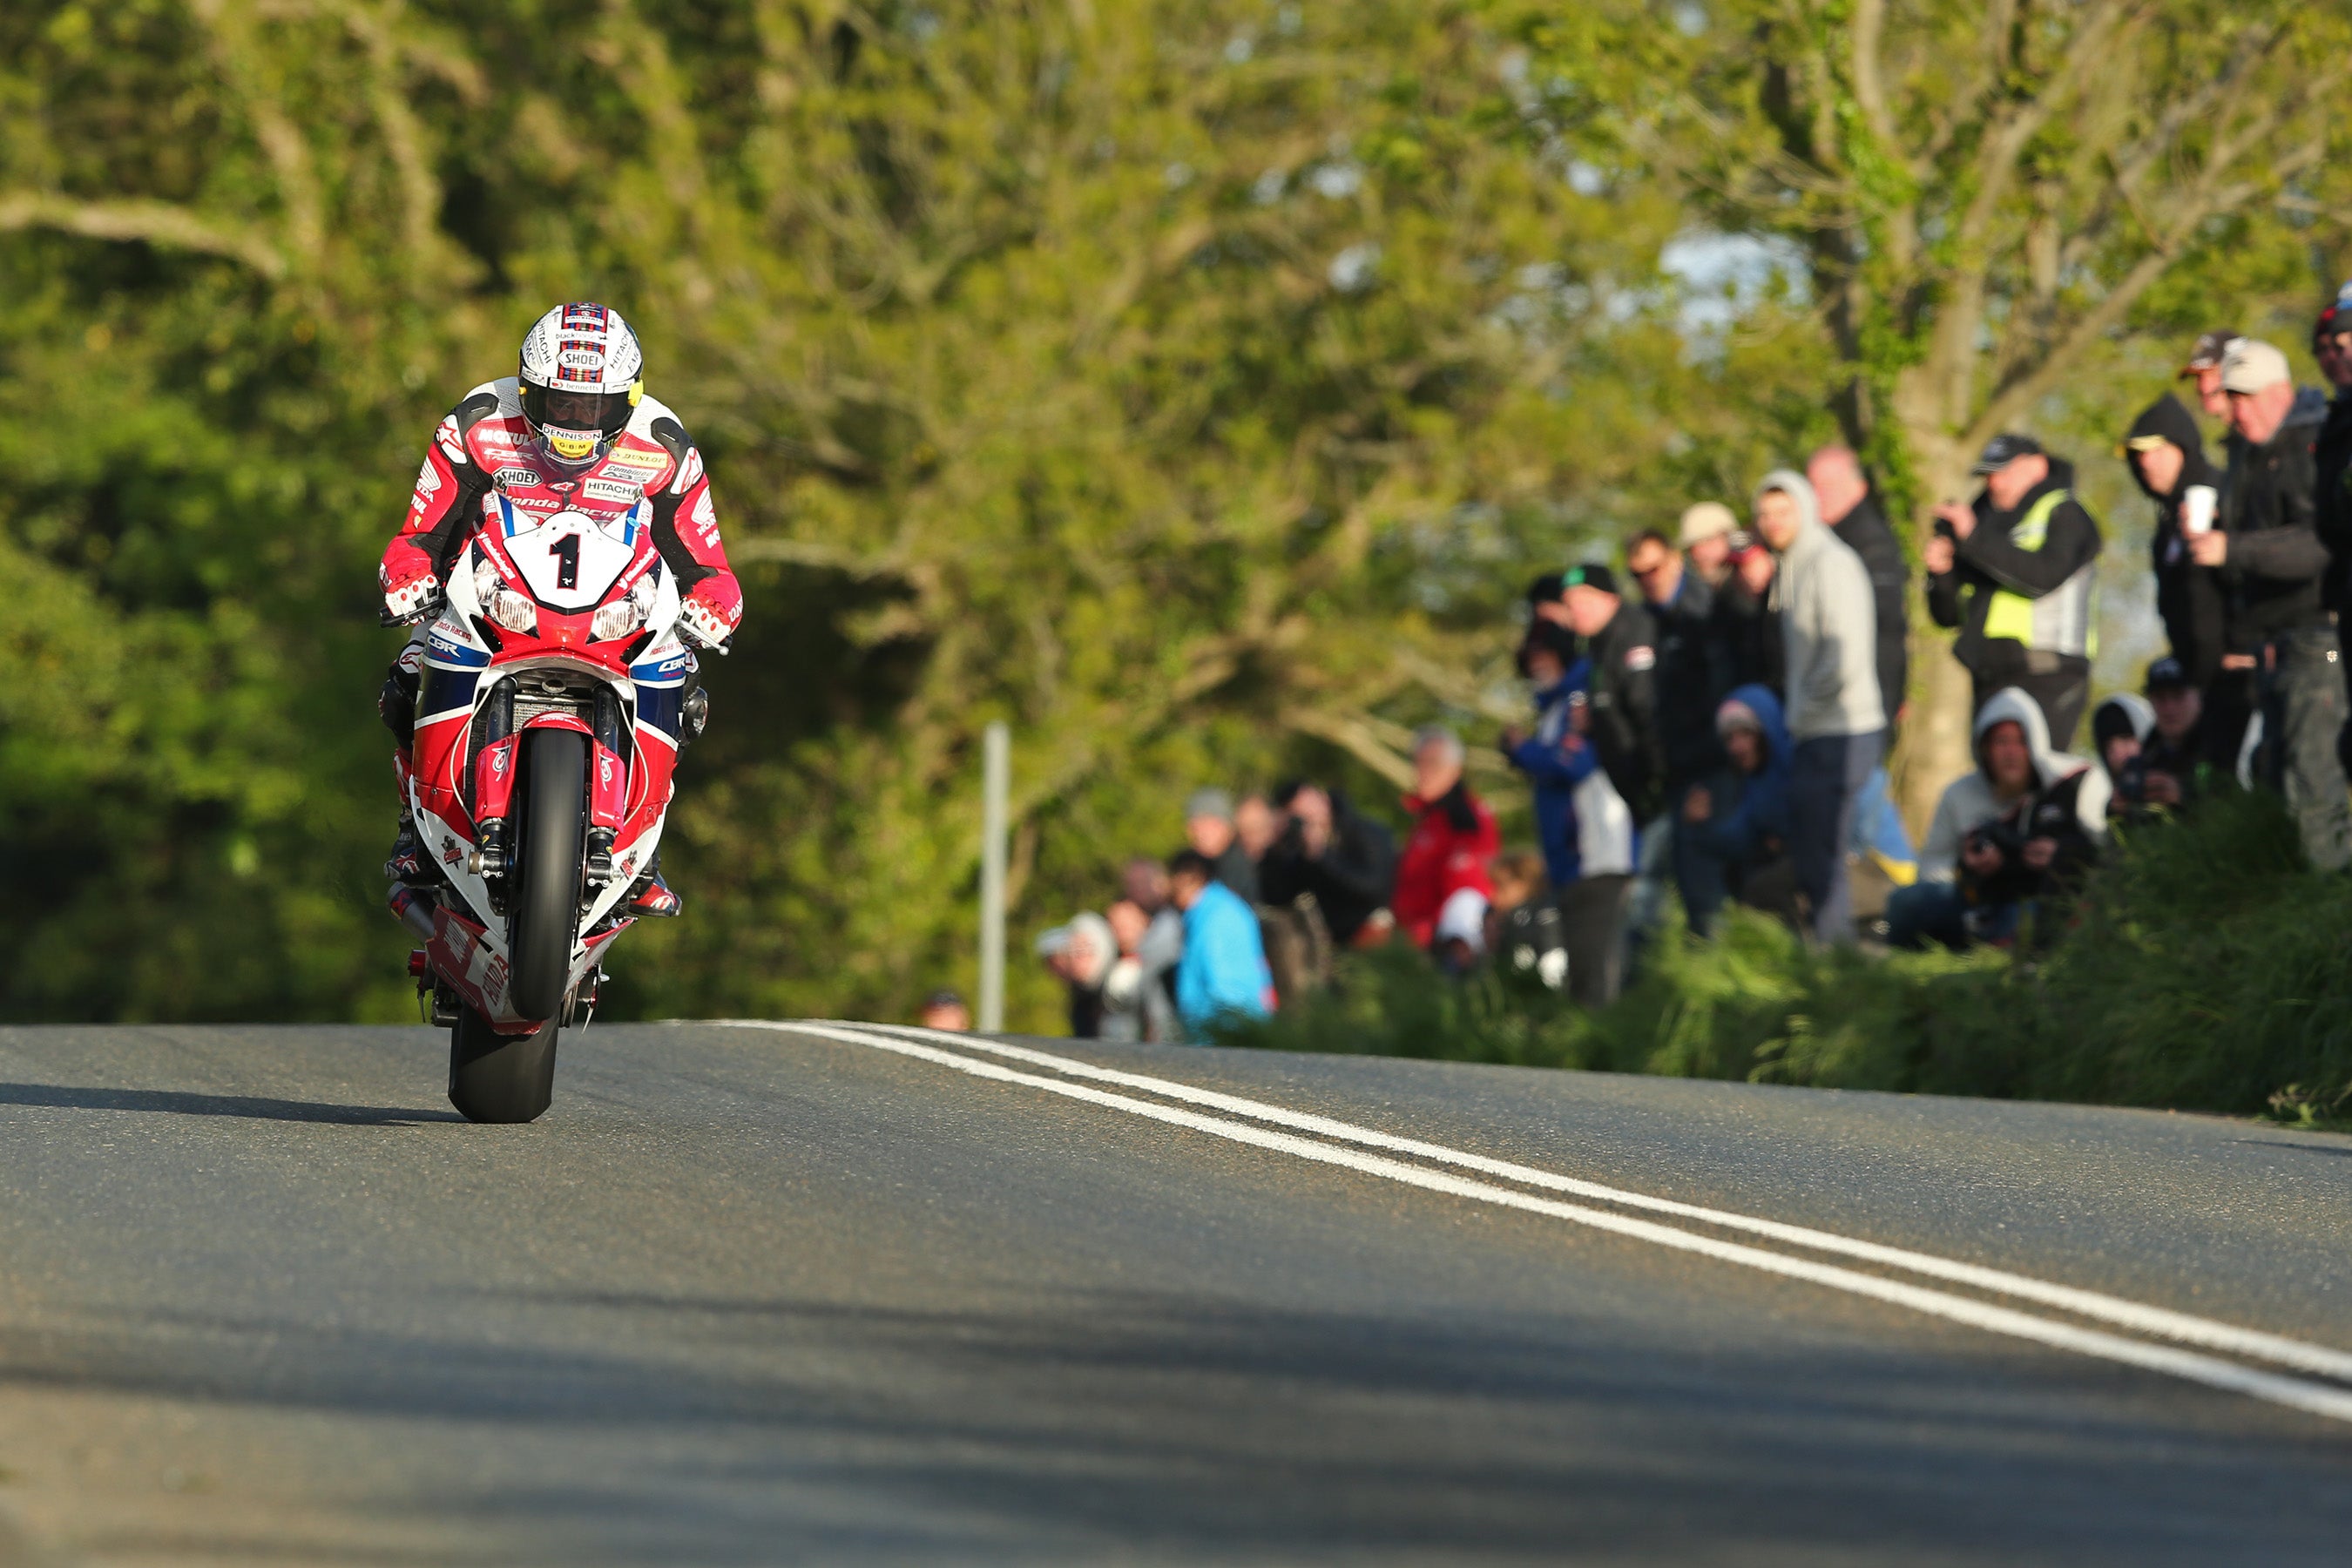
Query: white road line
point(2294, 1393)
point(2182, 1328)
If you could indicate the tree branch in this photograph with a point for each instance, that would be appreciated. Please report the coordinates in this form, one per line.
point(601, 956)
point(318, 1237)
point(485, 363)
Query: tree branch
point(151, 223)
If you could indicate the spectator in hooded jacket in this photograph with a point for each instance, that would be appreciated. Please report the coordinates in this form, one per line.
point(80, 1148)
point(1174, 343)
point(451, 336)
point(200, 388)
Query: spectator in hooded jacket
point(1829, 635)
point(2274, 569)
point(1081, 955)
point(2013, 828)
point(1850, 506)
point(1583, 824)
point(1328, 849)
point(2014, 572)
point(1453, 837)
point(1743, 824)
point(2167, 453)
point(2120, 727)
point(1222, 975)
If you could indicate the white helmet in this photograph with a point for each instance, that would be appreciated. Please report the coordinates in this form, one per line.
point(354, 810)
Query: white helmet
point(582, 376)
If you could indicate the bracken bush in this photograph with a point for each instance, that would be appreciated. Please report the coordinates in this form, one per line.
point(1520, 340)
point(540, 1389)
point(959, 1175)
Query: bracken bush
point(2204, 967)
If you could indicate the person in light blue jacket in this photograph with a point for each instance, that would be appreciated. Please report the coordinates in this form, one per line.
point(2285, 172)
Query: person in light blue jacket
point(1224, 972)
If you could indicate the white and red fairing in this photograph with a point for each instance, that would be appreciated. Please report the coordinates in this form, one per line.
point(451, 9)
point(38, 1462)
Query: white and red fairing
point(525, 596)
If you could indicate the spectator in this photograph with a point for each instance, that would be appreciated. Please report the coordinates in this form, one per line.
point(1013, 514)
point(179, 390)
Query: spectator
point(1585, 827)
point(2120, 728)
point(1145, 883)
point(2272, 565)
point(2174, 756)
point(2204, 367)
point(1705, 533)
point(1453, 836)
point(2014, 573)
point(1125, 988)
point(1081, 954)
point(1694, 675)
point(1743, 826)
point(2014, 830)
point(1254, 826)
point(1209, 829)
point(1523, 924)
point(2331, 451)
point(1828, 628)
point(2166, 453)
point(1850, 506)
point(1461, 940)
point(1750, 627)
point(1622, 642)
point(945, 1010)
point(1222, 975)
point(1342, 858)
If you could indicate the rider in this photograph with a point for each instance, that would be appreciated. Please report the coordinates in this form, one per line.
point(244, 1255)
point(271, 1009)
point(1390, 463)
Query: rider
point(572, 429)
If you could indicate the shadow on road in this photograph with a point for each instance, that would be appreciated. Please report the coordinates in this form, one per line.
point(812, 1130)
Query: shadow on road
point(178, 1102)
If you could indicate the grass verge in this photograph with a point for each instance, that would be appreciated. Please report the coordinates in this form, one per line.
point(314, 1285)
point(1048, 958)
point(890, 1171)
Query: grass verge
point(2205, 967)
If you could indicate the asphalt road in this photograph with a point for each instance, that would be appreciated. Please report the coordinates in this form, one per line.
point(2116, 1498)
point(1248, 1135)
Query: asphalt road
point(755, 1296)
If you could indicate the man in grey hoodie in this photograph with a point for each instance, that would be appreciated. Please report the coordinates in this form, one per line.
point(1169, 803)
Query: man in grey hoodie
point(1829, 633)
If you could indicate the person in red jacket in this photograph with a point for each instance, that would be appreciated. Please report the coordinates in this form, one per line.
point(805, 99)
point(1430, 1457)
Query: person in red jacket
point(1455, 840)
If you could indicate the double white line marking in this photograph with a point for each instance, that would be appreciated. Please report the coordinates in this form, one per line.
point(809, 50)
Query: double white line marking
point(1330, 1146)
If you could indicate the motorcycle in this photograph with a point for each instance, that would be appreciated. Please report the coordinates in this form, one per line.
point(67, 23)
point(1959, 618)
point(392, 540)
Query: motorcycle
point(551, 709)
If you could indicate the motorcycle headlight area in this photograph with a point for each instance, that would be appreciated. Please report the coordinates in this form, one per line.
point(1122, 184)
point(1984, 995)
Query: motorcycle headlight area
point(625, 613)
point(509, 609)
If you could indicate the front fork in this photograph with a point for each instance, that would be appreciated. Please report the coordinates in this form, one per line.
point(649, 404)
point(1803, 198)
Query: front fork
point(608, 787)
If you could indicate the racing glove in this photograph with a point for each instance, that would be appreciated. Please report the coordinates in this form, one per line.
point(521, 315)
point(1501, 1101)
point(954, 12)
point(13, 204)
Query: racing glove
point(704, 625)
point(412, 600)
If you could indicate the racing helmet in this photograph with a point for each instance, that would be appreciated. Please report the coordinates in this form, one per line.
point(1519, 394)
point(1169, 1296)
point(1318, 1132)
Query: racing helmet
point(581, 375)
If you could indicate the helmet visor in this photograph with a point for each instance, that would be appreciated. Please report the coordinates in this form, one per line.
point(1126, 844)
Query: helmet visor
point(560, 408)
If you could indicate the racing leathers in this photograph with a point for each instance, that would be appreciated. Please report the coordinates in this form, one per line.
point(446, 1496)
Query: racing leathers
point(483, 451)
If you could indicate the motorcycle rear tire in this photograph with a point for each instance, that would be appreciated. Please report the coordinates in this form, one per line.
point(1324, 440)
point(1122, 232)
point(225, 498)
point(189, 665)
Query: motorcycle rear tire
point(501, 1078)
point(549, 857)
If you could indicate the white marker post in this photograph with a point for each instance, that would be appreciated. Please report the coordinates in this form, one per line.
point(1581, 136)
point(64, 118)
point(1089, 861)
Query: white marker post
point(996, 788)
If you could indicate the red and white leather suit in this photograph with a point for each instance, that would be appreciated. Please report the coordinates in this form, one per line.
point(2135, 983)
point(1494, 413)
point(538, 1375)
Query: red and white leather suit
point(485, 449)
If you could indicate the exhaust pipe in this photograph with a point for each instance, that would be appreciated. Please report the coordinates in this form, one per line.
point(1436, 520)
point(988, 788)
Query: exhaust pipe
point(414, 906)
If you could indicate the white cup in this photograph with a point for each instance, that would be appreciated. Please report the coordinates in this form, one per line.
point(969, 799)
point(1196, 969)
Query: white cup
point(2197, 510)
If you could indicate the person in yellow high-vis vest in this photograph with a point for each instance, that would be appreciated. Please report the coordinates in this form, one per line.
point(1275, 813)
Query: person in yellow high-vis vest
point(2015, 573)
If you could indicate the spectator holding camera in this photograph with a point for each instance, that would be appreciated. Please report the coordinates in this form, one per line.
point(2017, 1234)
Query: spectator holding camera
point(2120, 728)
point(2167, 455)
point(1328, 849)
point(2018, 827)
point(2013, 572)
point(2282, 639)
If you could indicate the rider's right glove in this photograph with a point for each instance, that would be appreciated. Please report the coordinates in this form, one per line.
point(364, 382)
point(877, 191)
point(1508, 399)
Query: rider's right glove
point(412, 600)
point(703, 625)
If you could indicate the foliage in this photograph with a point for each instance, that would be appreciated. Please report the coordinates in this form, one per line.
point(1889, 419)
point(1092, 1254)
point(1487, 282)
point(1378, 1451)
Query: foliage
point(2203, 969)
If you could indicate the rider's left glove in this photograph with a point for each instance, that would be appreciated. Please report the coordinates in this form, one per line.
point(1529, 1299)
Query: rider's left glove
point(703, 625)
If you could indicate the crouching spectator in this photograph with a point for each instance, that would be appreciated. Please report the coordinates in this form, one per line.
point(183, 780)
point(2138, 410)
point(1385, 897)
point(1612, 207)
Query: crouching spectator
point(2120, 728)
point(1081, 954)
point(1222, 975)
point(1454, 841)
point(1523, 926)
point(2017, 829)
point(1745, 834)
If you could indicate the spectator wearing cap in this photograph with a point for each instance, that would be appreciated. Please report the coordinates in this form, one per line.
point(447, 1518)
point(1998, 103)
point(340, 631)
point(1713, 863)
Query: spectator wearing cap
point(1585, 828)
point(2166, 453)
point(2203, 366)
point(1738, 572)
point(1209, 829)
point(1622, 641)
point(2274, 568)
point(1850, 506)
point(2014, 572)
point(1222, 976)
point(1829, 630)
point(2173, 752)
point(1453, 836)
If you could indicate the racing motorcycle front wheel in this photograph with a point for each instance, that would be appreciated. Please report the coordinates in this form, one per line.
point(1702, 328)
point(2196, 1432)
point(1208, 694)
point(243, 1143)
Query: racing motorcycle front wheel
point(512, 1078)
